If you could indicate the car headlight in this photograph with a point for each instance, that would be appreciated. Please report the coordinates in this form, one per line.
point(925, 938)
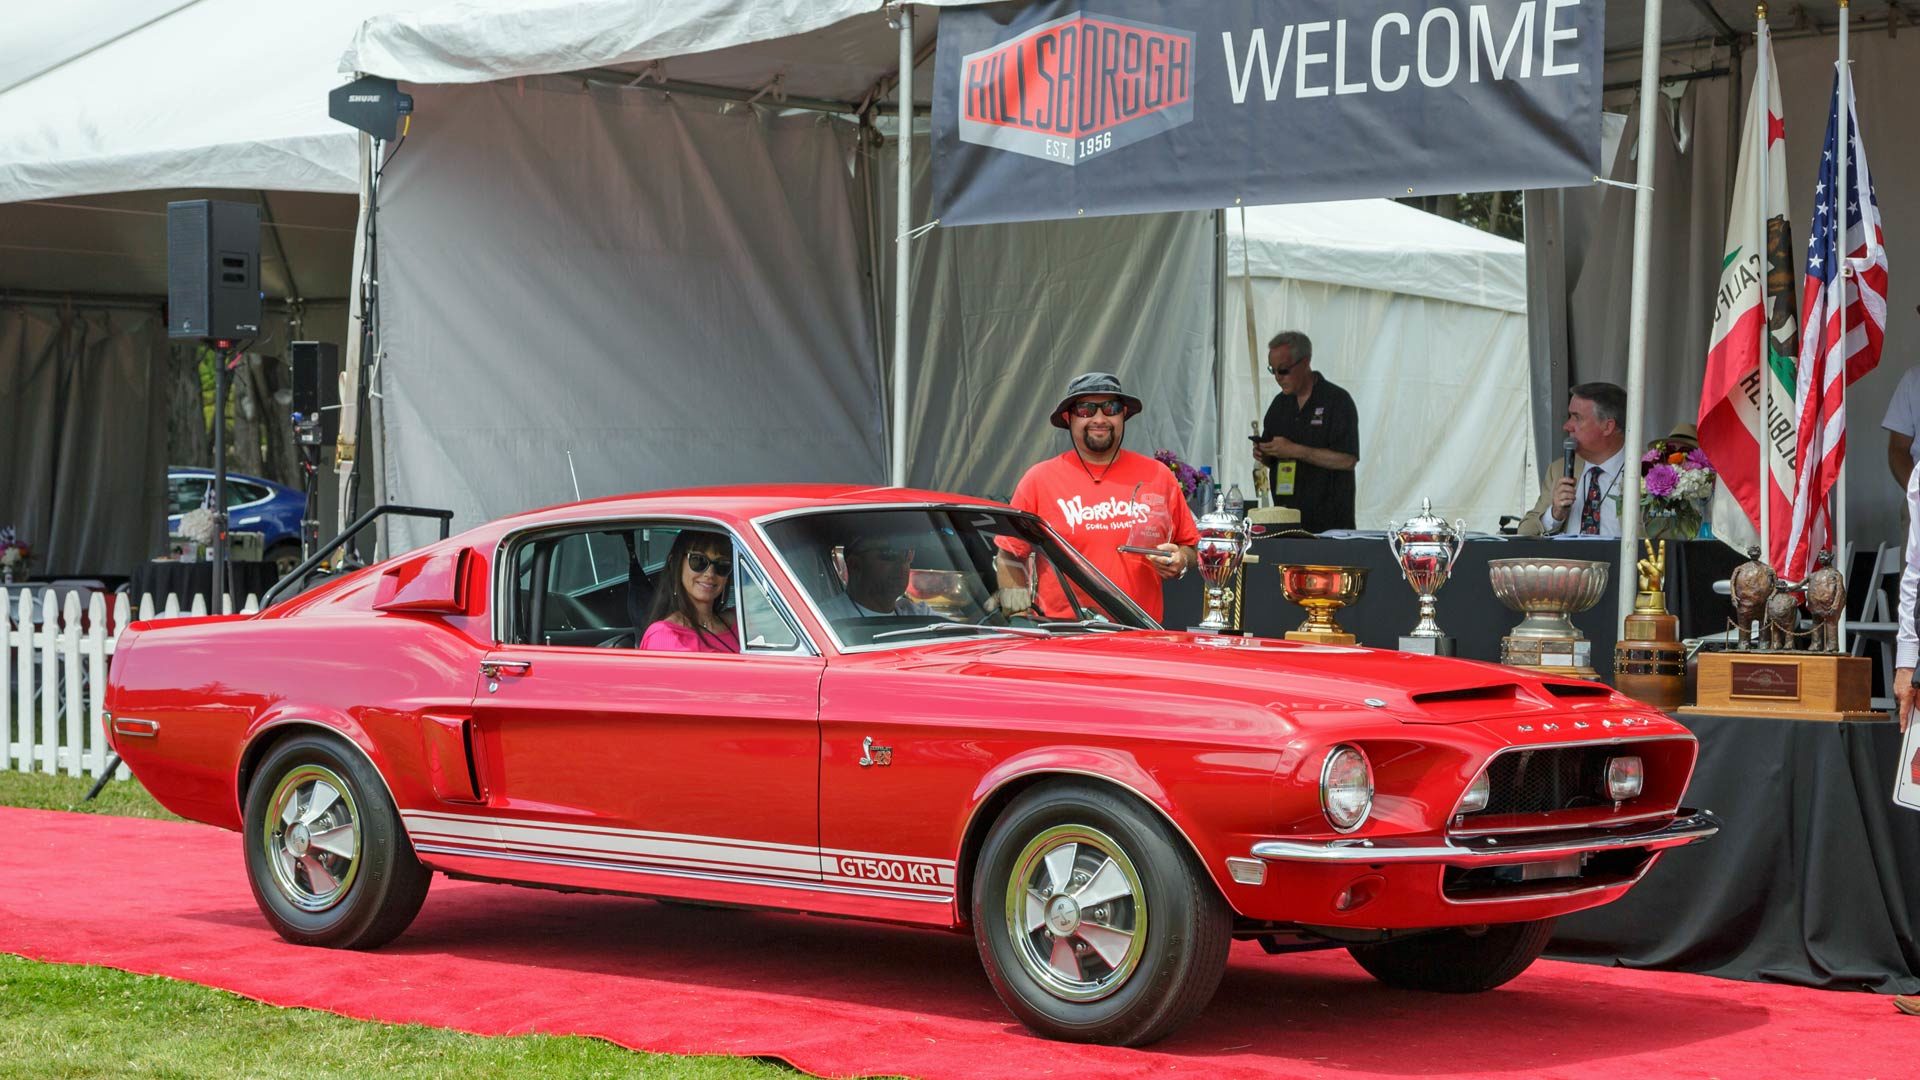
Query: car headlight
point(1626, 775)
point(1479, 794)
point(1346, 788)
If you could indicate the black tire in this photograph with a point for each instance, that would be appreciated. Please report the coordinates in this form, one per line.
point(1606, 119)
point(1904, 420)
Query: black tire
point(363, 887)
point(1169, 970)
point(1457, 961)
point(284, 556)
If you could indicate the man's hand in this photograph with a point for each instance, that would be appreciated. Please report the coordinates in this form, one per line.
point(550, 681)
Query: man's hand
point(1563, 489)
point(1172, 564)
point(1278, 448)
point(1014, 600)
point(1903, 695)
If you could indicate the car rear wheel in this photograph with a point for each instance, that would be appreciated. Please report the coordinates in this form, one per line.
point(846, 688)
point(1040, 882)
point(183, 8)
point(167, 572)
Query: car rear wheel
point(1457, 961)
point(1092, 919)
point(326, 856)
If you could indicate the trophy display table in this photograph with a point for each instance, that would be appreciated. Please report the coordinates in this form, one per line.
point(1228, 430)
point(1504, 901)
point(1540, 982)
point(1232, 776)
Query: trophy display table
point(1812, 882)
point(1387, 608)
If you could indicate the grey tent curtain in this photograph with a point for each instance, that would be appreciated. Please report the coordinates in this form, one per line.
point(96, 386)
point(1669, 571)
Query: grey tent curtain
point(84, 479)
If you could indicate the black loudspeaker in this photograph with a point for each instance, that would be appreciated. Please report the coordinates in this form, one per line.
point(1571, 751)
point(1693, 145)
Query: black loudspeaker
point(316, 390)
point(213, 270)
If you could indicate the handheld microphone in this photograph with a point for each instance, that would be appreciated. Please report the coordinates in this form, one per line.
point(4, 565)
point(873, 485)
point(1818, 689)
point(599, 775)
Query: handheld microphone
point(1569, 446)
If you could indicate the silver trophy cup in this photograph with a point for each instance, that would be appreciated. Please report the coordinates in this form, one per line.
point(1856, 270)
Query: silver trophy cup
point(1427, 549)
point(1224, 539)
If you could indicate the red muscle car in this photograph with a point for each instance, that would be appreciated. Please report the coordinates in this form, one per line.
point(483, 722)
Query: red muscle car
point(1103, 804)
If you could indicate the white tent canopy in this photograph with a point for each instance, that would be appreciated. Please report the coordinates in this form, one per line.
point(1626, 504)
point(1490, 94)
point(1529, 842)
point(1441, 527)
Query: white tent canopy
point(1422, 320)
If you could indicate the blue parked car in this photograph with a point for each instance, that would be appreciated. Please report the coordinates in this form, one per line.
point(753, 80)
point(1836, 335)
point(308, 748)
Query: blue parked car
point(253, 505)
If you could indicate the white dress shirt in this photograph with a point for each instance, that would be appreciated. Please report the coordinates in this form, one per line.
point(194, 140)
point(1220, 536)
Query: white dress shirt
point(1908, 642)
point(1611, 471)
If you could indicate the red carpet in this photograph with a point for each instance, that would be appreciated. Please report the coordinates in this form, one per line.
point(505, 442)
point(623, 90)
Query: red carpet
point(841, 998)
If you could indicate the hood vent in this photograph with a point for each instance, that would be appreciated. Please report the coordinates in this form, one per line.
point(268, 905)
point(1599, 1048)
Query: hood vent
point(1577, 691)
point(1496, 692)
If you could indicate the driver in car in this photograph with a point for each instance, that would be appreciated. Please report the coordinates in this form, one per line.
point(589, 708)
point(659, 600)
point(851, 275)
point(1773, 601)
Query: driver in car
point(878, 568)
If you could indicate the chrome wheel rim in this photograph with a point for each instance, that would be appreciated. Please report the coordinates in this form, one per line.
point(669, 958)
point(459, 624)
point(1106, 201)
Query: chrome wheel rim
point(1076, 913)
point(312, 837)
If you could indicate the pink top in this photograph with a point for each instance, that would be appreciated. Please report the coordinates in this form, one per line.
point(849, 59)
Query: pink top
point(667, 636)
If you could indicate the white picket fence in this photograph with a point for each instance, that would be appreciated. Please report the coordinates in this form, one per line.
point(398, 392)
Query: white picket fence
point(53, 673)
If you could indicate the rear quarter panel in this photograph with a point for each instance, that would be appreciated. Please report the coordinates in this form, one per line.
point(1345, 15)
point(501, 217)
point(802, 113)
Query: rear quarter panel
point(211, 685)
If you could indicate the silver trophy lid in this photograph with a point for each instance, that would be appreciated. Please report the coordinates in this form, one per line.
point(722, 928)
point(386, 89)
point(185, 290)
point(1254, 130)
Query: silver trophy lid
point(1426, 525)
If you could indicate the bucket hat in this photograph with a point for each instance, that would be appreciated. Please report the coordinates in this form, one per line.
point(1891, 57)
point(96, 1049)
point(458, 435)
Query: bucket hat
point(1091, 384)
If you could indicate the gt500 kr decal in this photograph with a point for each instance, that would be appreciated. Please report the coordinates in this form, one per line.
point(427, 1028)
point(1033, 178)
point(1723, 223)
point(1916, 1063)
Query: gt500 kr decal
point(713, 855)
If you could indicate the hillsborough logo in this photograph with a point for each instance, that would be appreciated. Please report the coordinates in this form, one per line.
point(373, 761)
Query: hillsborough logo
point(1077, 87)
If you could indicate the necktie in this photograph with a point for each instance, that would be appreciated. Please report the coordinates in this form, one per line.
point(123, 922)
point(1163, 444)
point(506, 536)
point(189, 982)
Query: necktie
point(1590, 506)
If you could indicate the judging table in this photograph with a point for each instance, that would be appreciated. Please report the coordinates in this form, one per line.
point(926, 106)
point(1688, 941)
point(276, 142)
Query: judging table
point(187, 580)
point(1469, 611)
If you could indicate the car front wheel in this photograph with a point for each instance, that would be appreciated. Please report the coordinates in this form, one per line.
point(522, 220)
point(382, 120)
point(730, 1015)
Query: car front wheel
point(1457, 961)
point(325, 853)
point(1092, 919)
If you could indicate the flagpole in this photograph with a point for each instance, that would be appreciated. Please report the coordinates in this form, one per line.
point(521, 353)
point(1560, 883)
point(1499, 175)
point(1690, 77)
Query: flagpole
point(1627, 584)
point(1844, 141)
point(1764, 86)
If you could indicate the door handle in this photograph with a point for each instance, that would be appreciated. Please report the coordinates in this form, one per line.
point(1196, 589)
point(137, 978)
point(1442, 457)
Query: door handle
point(493, 669)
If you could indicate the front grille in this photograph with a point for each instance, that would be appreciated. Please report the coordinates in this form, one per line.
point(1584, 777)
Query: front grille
point(1548, 779)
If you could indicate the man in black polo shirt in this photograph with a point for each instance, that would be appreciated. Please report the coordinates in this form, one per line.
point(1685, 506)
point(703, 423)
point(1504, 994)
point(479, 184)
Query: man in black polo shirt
point(1311, 438)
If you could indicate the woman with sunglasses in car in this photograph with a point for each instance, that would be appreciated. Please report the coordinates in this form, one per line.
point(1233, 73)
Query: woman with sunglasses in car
point(690, 607)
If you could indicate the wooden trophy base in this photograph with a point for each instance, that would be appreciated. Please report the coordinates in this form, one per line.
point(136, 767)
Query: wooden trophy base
point(1791, 686)
point(1321, 637)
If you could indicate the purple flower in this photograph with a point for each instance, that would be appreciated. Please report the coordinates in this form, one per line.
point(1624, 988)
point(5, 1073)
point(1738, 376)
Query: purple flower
point(1652, 456)
point(1697, 459)
point(1660, 481)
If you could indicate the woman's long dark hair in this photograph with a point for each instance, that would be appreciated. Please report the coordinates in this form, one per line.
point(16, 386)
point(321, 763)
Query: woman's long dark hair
point(671, 598)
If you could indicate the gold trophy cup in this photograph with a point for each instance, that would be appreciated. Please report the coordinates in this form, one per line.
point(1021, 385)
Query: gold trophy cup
point(1321, 590)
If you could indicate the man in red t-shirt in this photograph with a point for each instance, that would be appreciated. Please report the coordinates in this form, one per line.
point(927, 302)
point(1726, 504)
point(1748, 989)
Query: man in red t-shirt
point(1099, 496)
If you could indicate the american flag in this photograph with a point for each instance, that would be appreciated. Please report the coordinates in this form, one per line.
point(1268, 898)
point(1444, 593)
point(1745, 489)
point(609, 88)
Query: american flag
point(1859, 294)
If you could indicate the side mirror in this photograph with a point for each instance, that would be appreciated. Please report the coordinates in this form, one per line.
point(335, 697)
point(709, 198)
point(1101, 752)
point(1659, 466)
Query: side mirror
point(430, 584)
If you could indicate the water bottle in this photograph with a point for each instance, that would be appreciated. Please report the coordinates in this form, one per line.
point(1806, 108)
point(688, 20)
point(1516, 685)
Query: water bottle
point(1203, 494)
point(1236, 503)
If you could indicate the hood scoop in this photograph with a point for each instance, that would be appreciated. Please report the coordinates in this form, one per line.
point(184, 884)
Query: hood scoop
point(1465, 703)
point(1580, 691)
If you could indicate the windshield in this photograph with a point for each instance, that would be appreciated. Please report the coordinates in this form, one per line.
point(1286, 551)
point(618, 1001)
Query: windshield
point(903, 577)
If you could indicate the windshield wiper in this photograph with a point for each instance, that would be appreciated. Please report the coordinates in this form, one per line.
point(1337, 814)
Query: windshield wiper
point(951, 627)
point(1103, 625)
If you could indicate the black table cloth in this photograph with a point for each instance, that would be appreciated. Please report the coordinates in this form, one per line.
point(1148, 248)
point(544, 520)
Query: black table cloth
point(1814, 879)
point(189, 579)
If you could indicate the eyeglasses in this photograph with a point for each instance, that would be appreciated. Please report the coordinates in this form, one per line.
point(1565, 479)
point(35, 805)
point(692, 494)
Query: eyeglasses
point(700, 563)
point(1284, 370)
point(1084, 409)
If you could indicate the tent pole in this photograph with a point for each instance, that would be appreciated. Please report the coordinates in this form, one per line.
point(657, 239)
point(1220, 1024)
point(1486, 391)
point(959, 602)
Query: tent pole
point(1628, 584)
point(902, 246)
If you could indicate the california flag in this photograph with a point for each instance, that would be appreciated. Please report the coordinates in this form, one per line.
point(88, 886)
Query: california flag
point(1757, 277)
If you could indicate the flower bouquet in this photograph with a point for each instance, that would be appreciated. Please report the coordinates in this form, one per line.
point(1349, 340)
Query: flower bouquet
point(1187, 476)
point(1677, 480)
point(15, 553)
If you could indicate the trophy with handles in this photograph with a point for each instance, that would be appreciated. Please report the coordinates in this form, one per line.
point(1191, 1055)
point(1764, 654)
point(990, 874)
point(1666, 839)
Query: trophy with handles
point(1427, 549)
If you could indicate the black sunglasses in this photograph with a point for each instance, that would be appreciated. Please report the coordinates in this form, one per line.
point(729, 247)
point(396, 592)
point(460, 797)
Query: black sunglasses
point(1285, 370)
point(700, 563)
point(1084, 409)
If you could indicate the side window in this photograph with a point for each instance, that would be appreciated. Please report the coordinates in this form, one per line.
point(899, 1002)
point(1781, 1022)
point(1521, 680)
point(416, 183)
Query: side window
point(571, 589)
point(762, 625)
point(240, 493)
point(185, 493)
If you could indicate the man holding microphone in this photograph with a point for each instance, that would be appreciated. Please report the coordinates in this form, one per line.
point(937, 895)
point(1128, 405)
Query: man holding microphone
point(1584, 499)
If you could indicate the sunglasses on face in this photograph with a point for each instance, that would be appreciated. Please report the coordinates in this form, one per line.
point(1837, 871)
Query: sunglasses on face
point(700, 563)
point(1277, 370)
point(1084, 409)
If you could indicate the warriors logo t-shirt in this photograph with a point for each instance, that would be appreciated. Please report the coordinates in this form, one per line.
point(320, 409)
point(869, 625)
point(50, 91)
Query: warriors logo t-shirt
point(1096, 516)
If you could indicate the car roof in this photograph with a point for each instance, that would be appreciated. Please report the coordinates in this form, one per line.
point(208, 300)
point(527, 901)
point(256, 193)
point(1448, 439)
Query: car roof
point(201, 471)
point(741, 503)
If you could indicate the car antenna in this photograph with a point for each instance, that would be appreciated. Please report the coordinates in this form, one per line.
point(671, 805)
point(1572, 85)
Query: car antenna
point(593, 564)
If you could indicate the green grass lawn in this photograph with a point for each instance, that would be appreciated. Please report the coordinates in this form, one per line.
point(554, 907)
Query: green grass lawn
point(63, 1020)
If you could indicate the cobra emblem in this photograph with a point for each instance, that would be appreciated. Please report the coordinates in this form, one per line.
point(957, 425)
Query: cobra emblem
point(874, 755)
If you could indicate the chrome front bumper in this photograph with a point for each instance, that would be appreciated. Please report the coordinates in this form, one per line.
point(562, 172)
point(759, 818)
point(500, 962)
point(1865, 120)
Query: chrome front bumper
point(1686, 827)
